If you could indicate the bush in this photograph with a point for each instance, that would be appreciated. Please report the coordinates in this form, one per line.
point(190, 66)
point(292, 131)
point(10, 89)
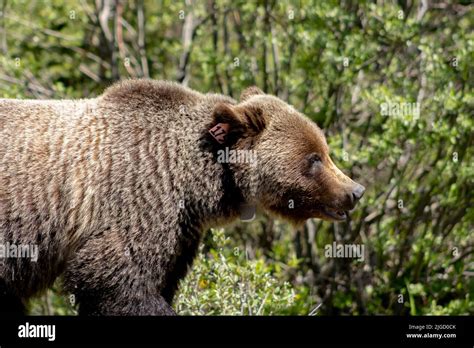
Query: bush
point(223, 281)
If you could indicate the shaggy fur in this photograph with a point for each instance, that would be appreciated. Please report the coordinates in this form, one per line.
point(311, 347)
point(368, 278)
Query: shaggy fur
point(116, 190)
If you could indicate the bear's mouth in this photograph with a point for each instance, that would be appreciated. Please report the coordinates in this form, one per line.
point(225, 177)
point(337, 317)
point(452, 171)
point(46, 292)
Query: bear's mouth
point(335, 214)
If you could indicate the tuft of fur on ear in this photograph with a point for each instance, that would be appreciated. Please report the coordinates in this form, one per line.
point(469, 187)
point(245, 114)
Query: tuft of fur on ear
point(237, 122)
point(250, 91)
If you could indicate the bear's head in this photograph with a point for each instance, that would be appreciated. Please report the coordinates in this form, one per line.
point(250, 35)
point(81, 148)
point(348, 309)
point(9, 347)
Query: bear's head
point(280, 159)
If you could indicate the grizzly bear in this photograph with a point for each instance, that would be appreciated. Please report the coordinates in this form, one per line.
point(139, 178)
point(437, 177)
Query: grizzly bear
point(116, 191)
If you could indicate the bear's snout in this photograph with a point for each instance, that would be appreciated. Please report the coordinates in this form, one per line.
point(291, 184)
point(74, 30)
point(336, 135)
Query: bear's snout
point(350, 191)
point(352, 197)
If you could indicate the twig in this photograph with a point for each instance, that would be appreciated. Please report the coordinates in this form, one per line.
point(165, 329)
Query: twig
point(315, 310)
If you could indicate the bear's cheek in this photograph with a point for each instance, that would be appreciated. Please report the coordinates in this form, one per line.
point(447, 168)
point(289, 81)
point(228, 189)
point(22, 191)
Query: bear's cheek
point(328, 189)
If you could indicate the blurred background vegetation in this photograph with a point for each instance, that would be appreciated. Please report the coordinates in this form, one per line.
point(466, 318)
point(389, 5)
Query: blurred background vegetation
point(338, 62)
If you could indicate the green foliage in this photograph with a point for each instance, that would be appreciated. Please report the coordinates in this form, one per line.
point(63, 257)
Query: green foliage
point(53, 302)
point(225, 282)
point(339, 63)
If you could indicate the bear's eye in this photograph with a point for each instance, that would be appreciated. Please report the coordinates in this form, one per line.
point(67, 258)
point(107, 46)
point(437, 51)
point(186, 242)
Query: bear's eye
point(314, 158)
point(313, 165)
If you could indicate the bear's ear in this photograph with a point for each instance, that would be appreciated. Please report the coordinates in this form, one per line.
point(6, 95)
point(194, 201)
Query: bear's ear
point(232, 122)
point(250, 91)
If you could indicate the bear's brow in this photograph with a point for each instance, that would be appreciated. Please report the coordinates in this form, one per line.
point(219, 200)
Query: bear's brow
point(318, 140)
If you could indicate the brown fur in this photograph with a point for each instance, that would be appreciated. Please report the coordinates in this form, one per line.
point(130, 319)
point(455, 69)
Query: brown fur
point(116, 190)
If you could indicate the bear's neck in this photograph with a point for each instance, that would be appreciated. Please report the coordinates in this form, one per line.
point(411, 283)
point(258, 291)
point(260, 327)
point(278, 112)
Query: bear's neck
point(214, 197)
point(207, 196)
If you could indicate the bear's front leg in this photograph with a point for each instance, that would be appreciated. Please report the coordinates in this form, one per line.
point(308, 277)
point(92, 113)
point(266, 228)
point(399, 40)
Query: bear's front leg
point(106, 280)
point(10, 303)
point(121, 304)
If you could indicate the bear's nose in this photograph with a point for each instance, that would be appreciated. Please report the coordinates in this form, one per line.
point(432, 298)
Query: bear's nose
point(357, 193)
point(353, 196)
